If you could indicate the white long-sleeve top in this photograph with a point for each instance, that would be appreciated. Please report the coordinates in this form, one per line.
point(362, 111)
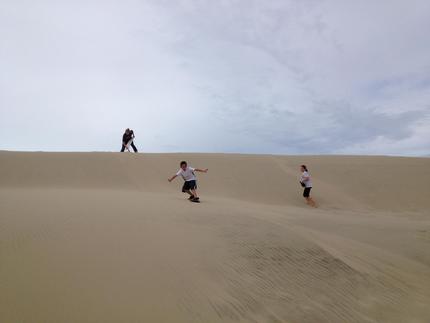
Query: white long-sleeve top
point(306, 178)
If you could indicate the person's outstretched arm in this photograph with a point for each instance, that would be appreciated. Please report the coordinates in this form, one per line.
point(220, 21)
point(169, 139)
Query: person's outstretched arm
point(172, 178)
point(201, 170)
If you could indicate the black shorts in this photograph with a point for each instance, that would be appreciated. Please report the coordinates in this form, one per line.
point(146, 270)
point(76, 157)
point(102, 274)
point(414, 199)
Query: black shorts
point(189, 185)
point(307, 191)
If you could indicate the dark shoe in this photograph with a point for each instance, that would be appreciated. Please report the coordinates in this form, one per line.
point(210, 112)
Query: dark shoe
point(191, 197)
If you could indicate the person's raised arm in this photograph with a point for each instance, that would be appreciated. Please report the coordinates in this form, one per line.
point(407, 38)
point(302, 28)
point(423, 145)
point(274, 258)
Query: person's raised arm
point(172, 178)
point(201, 170)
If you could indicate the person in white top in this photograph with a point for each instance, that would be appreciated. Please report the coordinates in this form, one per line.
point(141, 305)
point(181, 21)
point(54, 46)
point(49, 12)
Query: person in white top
point(190, 180)
point(306, 182)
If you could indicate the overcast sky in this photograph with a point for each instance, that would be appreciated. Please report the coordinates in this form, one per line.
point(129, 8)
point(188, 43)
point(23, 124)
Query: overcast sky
point(249, 76)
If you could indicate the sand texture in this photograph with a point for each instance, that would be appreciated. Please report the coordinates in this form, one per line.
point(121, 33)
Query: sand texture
point(103, 237)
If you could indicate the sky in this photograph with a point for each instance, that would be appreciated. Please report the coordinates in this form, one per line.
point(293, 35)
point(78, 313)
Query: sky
point(236, 76)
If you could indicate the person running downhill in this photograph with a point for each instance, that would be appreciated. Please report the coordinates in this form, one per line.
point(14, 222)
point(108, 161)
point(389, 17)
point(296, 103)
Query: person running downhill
point(190, 184)
point(127, 140)
point(306, 182)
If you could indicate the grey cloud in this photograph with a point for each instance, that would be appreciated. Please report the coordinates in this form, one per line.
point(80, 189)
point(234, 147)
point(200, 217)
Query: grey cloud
point(331, 126)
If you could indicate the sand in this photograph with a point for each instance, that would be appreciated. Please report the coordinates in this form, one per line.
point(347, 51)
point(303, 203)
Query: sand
point(103, 237)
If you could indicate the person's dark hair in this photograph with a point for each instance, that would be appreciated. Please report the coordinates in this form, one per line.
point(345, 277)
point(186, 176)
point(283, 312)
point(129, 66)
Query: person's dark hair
point(305, 168)
point(183, 163)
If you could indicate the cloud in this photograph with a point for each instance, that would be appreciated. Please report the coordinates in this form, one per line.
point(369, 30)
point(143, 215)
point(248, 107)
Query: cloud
point(217, 76)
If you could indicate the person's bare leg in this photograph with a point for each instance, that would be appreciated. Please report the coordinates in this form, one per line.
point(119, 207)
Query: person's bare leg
point(311, 202)
point(194, 193)
point(189, 193)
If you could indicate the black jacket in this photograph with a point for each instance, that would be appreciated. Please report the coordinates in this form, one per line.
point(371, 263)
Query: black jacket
point(126, 137)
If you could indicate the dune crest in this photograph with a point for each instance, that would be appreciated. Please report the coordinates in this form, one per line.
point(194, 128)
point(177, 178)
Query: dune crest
point(383, 183)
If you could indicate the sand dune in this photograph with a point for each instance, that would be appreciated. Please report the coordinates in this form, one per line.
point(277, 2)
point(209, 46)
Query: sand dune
point(103, 237)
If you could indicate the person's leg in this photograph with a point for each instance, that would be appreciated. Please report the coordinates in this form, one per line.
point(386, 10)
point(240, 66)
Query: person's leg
point(309, 201)
point(194, 191)
point(186, 189)
point(190, 194)
point(134, 147)
point(122, 148)
point(307, 196)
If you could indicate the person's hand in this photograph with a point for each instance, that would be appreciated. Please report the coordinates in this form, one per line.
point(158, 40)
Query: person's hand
point(205, 170)
point(170, 180)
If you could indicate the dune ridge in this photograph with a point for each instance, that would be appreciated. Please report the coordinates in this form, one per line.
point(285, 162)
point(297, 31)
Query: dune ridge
point(103, 237)
point(385, 183)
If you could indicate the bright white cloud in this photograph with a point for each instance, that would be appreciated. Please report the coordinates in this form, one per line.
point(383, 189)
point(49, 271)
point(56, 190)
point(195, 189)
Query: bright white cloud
point(271, 76)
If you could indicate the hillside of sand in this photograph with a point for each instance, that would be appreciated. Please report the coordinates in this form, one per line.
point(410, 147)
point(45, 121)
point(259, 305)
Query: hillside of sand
point(103, 237)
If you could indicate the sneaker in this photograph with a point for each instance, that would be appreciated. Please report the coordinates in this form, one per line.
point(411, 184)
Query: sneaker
point(191, 197)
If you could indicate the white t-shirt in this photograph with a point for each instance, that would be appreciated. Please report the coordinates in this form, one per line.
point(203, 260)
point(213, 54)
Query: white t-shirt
point(308, 183)
point(187, 174)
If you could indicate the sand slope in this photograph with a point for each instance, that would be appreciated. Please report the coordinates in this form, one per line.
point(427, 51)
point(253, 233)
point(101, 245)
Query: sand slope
point(103, 237)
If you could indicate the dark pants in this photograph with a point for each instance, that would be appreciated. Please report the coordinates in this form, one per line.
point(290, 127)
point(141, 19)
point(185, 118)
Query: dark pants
point(132, 145)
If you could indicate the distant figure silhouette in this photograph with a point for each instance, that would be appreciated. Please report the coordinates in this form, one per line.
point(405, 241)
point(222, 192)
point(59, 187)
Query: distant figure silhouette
point(127, 140)
point(306, 182)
